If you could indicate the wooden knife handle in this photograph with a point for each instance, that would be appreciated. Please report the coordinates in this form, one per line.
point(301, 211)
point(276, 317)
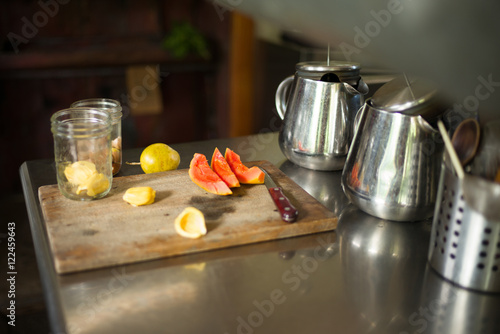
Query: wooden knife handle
point(287, 211)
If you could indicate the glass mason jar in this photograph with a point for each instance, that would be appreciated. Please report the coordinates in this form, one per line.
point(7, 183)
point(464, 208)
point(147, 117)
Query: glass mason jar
point(115, 109)
point(82, 149)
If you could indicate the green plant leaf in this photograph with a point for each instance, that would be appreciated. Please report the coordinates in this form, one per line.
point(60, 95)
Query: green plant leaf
point(184, 39)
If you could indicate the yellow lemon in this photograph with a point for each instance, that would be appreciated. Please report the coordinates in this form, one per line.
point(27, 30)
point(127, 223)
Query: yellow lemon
point(190, 223)
point(159, 158)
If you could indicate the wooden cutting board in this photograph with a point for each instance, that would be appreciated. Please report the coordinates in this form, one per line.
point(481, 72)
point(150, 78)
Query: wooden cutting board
point(108, 231)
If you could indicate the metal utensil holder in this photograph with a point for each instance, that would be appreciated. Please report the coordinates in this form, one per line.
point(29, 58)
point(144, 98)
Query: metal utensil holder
point(465, 238)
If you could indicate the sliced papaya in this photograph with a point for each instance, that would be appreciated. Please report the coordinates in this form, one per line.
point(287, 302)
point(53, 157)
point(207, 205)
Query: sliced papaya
point(252, 175)
point(203, 176)
point(221, 168)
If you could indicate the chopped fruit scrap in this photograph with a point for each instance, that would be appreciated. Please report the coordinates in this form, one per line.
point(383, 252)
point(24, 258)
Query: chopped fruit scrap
point(84, 175)
point(203, 176)
point(221, 168)
point(190, 223)
point(79, 172)
point(96, 184)
point(244, 174)
point(137, 196)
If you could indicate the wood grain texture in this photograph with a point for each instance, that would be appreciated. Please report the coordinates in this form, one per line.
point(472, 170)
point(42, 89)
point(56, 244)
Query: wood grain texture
point(108, 231)
point(241, 75)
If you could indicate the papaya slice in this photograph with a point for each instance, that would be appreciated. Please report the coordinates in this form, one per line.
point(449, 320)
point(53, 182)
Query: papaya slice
point(245, 175)
point(221, 168)
point(203, 176)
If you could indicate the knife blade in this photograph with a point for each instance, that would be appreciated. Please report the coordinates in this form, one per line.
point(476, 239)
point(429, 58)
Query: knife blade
point(287, 211)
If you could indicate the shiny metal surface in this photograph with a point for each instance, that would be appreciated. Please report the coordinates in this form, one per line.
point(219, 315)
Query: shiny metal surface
point(387, 255)
point(345, 71)
point(465, 239)
point(322, 185)
point(409, 96)
point(392, 169)
point(318, 116)
point(369, 276)
point(448, 309)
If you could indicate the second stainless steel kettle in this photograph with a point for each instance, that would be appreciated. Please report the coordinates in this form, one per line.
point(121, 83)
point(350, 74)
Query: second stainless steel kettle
point(392, 169)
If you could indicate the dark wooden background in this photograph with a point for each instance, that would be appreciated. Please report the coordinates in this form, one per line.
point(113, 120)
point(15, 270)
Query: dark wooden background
point(83, 50)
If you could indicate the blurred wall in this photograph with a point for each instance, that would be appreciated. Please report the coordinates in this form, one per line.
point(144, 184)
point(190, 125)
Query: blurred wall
point(55, 52)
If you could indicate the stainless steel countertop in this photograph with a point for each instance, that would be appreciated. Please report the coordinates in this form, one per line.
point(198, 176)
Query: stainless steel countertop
point(368, 276)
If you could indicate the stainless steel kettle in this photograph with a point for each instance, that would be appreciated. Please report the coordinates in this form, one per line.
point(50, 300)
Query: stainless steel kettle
point(318, 105)
point(392, 169)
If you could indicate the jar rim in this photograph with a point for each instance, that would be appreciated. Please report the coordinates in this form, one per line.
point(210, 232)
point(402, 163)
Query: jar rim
point(112, 106)
point(81, 122)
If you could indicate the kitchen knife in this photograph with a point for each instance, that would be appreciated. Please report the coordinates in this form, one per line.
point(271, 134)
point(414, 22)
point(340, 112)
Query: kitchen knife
point(287, 211)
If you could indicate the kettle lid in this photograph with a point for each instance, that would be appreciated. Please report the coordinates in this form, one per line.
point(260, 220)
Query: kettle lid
point(346, 71)
point(404, 95)
point(323, 67)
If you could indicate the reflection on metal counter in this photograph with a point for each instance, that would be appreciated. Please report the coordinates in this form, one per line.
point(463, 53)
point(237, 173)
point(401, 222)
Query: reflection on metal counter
point(383, 264)
point(448, 309)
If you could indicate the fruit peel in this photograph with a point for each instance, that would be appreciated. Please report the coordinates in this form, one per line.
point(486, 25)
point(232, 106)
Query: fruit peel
point(190, 223)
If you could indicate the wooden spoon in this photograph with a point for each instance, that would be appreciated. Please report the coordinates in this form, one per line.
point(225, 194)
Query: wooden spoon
point(465, 140)
point(451, 151)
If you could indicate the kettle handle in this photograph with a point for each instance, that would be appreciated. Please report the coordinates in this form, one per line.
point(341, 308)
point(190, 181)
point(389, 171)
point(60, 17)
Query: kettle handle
point(281, 96)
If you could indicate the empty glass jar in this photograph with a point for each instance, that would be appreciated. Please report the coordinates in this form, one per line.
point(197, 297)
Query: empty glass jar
point(115, 110)
point(82, 149)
